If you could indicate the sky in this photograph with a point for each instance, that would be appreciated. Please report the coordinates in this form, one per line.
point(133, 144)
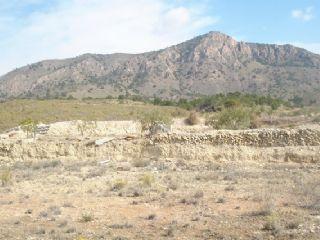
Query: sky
point(34, 30)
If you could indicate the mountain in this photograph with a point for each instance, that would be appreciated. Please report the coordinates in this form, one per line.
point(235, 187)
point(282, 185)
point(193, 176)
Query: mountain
point(206, 65)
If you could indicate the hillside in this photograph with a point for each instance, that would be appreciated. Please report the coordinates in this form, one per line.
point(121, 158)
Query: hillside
point(206, 65)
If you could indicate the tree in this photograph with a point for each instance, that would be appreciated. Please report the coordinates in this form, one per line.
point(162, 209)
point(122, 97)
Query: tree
point(29, 126)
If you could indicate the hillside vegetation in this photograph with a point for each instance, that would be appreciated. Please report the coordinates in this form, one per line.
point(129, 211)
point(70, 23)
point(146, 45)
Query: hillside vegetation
point(221, 111)
point(12, 113)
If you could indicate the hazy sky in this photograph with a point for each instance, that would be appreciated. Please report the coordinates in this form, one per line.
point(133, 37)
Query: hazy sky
point(33, 30)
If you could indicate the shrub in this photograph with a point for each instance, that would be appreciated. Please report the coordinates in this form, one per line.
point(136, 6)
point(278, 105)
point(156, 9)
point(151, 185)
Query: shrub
point(84, 126)
point(199, 194)
point(96, 172)
point(293, 225)
point(307, 189)
point(193, 119)
point(231, 103)
point(119, 184)
point(81, 238)
point(221, 200)
point(46, 164)
point(140, 162)
point(272, 224)
point(5, 176)
point(235, 118)
point(155, 117)
point(147, 180)
point(87, 217)
point(173, 185)
point(316, 119)
point(29, 126)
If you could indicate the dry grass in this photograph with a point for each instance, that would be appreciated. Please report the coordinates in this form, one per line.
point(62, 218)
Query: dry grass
point(186, 199)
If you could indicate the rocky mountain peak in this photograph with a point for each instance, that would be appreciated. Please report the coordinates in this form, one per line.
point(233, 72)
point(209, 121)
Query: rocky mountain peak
point(209, 64)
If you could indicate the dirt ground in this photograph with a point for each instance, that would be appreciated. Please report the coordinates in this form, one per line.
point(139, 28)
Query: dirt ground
point(160, 199)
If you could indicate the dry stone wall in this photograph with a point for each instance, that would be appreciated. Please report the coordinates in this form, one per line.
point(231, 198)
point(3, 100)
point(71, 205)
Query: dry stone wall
point(256, 138)
point(298, 145)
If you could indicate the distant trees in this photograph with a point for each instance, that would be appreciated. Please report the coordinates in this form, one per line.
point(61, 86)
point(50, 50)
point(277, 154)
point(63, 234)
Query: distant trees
point(221, 101)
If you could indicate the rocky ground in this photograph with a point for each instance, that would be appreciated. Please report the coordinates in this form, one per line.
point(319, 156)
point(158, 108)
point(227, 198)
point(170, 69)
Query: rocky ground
point(161, 199)
point(222, 185)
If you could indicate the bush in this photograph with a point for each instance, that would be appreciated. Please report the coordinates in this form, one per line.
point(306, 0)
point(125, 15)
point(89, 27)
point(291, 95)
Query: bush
point(29, 126)
point(140, 162)
point(155, 117)
point(119, 184)
point(272, 224)
point(86, 217)
point(316, 119)
point(307, 189)
point(85, 127)
point(46, 164)
point(235, 118)
point(147, 180)
point(5, 177)
point(193, 119)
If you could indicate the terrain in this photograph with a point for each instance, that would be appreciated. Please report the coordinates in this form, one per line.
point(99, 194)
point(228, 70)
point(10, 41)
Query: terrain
point(114, 180)
point(206, 65)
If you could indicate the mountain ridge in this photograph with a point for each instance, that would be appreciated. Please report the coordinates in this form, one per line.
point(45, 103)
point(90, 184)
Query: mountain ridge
point(205, 65)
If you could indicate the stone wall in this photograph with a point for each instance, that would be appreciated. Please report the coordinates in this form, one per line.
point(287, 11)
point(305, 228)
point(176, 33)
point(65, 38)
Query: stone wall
point(298, 145)
point(256, 138)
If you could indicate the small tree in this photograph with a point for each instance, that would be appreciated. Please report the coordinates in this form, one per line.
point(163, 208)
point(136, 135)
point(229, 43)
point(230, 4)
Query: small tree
point(29, 126)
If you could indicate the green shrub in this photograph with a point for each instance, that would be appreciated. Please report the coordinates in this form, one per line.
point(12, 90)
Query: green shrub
point(232, 118)
point(29, 126)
